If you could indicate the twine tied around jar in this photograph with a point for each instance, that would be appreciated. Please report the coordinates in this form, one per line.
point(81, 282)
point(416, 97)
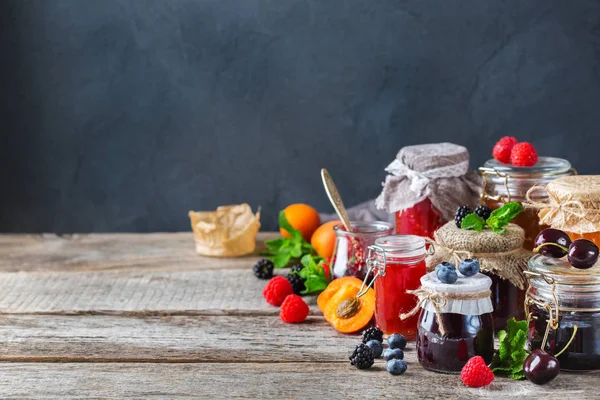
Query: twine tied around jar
point(557, 210)
point(438, 300)
point(459, 255)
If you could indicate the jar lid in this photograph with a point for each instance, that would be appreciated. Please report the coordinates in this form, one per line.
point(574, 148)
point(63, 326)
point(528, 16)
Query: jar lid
point(561, 272)
point(544, 166)
point(467, 285)
point(365, 229)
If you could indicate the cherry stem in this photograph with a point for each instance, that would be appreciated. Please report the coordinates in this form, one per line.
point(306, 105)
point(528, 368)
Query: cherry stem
point(537, 249)
point(569, 342)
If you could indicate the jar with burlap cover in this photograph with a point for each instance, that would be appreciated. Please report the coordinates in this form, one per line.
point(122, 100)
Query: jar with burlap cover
point(573, 204)
point(502, 255)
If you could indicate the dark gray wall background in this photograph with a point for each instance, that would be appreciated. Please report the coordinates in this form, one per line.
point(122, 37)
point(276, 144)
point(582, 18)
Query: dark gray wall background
point(123, 115)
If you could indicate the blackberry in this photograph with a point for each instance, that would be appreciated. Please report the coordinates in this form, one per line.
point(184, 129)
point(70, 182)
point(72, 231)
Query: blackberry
point(362, 357)
point(483, 211)
point(373, 333)
point(297, 282)
point(461, 212)
point(263, 269)
point(297, 268)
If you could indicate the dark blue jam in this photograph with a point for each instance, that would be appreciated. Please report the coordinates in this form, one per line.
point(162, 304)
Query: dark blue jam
point(466, 336)
point(584, 352)
point(507, 300)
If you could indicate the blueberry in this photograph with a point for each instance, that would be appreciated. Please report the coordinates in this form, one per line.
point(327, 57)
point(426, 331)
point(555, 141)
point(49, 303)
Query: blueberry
point(396, 367)
point(468, 267)
point(447, 276)
point(376, 347)
point(396, 341)
point(391, 354)
point(444, 265)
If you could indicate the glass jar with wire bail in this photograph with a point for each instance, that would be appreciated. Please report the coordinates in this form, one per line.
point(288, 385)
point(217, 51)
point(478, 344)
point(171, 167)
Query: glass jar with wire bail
point(503, 183)
point(563, 311)
point(398, 263)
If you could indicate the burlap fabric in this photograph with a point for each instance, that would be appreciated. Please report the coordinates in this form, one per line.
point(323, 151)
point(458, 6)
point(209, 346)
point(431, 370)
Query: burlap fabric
point(573, 203)
point(499, 254)
point(438, 171)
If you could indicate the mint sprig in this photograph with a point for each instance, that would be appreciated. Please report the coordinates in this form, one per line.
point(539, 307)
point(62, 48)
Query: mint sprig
point(316, 272)
point(283, 251)
point(497, 220)
point(511, 354)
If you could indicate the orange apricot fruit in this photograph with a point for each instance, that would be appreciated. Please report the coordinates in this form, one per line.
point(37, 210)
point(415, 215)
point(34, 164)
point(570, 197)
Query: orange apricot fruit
point(323, 240)
point(342, 309)
point(302, 217)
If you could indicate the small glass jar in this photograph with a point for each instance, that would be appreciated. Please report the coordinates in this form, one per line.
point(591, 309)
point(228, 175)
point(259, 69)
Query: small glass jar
point(399, 264)
point(422, 219)
point(351, 247)
point(559, 298)
point(453, 329)
point(504, 183)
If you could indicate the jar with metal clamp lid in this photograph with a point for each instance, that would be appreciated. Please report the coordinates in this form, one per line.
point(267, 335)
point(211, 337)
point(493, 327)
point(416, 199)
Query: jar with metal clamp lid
point(398, 263)
point(562, 305)
point(504, 183)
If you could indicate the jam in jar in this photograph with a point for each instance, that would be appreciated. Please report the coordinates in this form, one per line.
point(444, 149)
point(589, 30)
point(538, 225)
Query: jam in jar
point(400, 264)
point(349, 255)
point(461, 327)
point(422, 219)
point(559, 299)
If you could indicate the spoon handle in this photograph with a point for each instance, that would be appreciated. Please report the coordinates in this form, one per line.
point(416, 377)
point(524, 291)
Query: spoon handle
point(335, 198)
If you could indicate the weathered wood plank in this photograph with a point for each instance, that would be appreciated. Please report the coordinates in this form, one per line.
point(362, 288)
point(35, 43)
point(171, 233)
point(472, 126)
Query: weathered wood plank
point(96, 252)
point(206, 292)
point(170, 339)
point(268, 381)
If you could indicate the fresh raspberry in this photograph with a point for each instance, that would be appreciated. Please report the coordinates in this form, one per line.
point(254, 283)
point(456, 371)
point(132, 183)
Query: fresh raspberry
point(503, 148)
point(523, 155)
point(476, 373)
point(293, 309)
point(276, 290)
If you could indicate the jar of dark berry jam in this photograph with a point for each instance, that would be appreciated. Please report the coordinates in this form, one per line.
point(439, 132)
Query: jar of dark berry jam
point(560, 298)
point(399, 263)
point(349, 255)
point(503, 183)
point(455, 322)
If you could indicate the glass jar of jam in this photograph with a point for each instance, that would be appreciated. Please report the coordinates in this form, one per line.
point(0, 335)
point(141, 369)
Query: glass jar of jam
point(455, 322)
point(349, 254)
point(422, 219)
point(504, 183)
point(399, 263)
point(559, 299)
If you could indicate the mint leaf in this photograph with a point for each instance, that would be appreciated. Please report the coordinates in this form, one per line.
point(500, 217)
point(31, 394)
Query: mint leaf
point(511, 353)
point(314, 274)
point(502, 216)
point(473, 221)
point(296, 250)
point(314, 285)
point(284, 224)
point(281, 260)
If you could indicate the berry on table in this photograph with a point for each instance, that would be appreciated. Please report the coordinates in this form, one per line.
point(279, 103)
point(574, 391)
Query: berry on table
point(461, 213)
point(390, 354)
point(469, 267)
point(446, 275)
point(396, 367)
point(503, 148)
point(476, 373)
point(396, 341)
point(523, 155)
point(263, 269)
point(297, 282)
point(297, 268)
point(483, 211)
point(362, 357)
point(277, 290)
point(293, 309)
point(373, 333)
point(376, 347)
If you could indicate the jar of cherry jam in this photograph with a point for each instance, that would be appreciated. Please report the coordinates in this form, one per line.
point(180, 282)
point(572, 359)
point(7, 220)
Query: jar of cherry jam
point(563, 310)
point(455, 322)
point(399, 264)
point(503, 183)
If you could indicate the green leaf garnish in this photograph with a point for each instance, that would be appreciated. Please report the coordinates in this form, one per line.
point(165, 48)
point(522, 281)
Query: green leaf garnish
point(511, 354)
point(502, 216)
point(473, 221)
point(314, 273)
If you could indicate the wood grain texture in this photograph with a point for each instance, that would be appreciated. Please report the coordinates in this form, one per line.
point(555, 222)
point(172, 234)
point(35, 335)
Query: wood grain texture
point(170, 339)
point(98, 252)
point(273, 381)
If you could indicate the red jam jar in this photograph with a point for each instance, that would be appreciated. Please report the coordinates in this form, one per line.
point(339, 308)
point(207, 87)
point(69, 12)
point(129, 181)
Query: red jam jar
point(422, 219)
point(349, 254)
point(399, 264)
point(455, 328)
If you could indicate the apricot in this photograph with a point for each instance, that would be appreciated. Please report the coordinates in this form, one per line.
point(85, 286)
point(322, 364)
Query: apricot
point(342, 309)
point(303, 218)
point(323, 239)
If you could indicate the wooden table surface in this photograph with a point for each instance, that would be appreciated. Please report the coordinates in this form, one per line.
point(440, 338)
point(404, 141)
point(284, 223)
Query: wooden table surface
point(143, 316)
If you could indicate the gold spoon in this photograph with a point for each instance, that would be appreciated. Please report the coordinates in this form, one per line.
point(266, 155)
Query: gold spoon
point(336, 199)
